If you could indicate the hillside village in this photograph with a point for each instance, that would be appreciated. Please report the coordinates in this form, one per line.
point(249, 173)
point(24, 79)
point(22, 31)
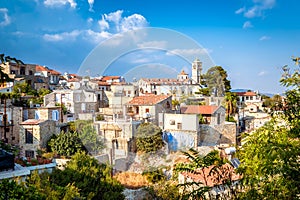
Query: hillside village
point(116, 108)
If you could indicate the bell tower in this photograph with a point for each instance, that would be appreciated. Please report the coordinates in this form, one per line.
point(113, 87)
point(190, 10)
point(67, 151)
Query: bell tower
point(196, 71)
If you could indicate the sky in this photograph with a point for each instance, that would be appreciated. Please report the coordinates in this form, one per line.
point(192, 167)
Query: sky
point(250, 39)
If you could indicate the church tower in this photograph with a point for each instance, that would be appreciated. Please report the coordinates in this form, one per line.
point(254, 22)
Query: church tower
point(196, 71)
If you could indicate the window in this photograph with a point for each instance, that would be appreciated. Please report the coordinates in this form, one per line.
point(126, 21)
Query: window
point(29, 153)
point(30, 72)
point(55, 115)
point(28, 136)
point(37, 115)
point(22, 71)
point(147, 110)
point(179, 126)
point(219, 118)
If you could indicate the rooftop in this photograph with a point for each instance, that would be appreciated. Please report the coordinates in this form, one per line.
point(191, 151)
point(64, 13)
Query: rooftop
point(198, 109)
point(32, 122)
point(147, 100)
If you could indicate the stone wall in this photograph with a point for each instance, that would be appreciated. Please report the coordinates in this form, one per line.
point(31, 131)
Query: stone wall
point(215, 135)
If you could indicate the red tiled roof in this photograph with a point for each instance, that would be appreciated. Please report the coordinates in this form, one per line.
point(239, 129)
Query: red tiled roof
point(147, 100)
point(40, 68)
point(51, 71)
point(103, 83)
point(106, 78)
point(73, 80)
point(198, 109)
point(32, 122)
point(246, 93)
point(211, 179)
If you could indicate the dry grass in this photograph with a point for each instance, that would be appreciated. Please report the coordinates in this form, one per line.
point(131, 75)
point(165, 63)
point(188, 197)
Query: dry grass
point(131, 180)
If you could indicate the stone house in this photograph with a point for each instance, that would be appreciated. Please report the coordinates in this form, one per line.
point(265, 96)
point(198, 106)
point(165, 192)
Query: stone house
point(114, 101)
point(25, 71)
point(148, 107)
point(214, 130)
point(51, 75)
point(34, 135)
point(10, 129)
point(213, 115)
point(76, 101)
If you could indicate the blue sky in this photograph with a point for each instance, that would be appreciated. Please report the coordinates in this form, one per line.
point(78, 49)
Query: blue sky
point(250, 39)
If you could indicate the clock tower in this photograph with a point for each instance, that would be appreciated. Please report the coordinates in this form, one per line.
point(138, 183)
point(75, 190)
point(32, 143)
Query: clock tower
point(196, 71)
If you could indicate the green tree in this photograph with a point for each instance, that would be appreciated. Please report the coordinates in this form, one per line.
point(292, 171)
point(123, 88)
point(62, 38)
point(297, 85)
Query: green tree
point(149, 138)
point(270, 156)
point(231, 100)
point(198, 162)
point(92, 179)
point(11, 190)
point(91, 140)
point(66, 144)
point(216, 81)
point(204, 91)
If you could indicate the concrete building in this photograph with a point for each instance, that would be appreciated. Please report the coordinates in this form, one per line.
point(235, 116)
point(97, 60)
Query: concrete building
point(181, 131)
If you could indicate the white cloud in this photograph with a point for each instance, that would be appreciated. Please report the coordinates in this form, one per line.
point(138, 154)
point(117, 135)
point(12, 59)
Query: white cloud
point(114, 17)
point(247, 24)
point(264, 38)
point(110, 24)
point(104, 25)
point(189, 52)
point(239, 11)
point(133, 22)
point(153, 44)
point(119, 23)
point(257, 9)
point(59, 3)
point(91, 3)
point(62, 36)
point(90, 20)
point(96, 37)
point(262, 73)
point(5, 19)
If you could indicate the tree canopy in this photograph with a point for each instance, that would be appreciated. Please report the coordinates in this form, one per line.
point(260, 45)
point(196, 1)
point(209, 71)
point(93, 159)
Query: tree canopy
point(149, 138)
point(216, 81)
point(270, 156)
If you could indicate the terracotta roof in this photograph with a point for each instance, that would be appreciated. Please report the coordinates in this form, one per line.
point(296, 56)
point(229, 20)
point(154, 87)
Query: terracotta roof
point(40, 68)
point(51, 71)
point(32, 122)
point(103, 83)
point(106, 78)
point(211, 179)
point(183, 73)
point(73, 80)
point(246, 93)
point(147, 100)
point(198, 109)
